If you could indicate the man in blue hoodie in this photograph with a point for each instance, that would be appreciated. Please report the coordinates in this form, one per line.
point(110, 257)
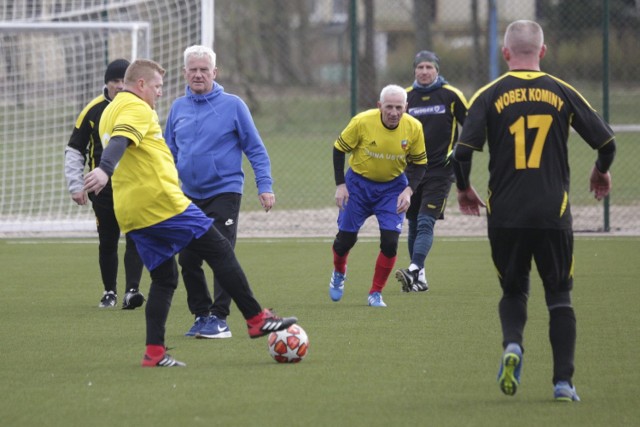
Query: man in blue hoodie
point(208, 131)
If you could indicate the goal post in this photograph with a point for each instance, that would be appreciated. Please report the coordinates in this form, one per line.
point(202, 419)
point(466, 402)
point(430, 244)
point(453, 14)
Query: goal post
point(49, 72)
point(139, 32)
point(52, 61)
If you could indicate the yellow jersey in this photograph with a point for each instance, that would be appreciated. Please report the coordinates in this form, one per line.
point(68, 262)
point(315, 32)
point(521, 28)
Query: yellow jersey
point(146, 190)
point(379, 153)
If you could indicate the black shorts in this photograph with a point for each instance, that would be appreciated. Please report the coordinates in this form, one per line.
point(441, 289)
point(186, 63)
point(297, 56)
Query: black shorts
point(512, 250)
point(431, 196)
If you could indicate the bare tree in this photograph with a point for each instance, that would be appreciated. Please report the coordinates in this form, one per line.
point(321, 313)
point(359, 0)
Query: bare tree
point(239, 42)
point(282, 40)
point(423, 14)
point(477, 69)
point(302, 7)
point(367, 76)
point(275, 17)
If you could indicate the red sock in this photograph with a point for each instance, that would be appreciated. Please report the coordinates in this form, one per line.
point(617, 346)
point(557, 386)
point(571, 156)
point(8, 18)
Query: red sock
point(340, 262)
point(384, 265)
point(256, 319)
point(155, 350)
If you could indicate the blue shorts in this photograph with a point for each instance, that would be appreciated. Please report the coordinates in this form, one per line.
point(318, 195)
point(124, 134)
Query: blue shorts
point(368, 198)
point(159, 242)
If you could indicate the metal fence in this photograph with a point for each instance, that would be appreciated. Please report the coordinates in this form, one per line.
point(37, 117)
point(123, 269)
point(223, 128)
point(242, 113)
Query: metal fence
point(295, 64)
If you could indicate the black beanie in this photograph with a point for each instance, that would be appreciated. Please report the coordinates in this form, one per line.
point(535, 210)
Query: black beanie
point(115, 70)
point(426, 56)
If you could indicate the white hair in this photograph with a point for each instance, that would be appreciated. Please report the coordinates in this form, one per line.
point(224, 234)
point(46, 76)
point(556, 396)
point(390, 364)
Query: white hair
point(393, 90)
point(199, 51)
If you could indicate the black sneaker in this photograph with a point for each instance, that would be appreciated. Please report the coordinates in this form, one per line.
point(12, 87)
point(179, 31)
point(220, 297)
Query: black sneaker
point(109, 299)
point(410, 281)
point(267, 322)
point(407, 278)
point(132, 299)
point(420, 286)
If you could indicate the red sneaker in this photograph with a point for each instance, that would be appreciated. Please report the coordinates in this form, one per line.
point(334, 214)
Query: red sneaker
point(266, 322)
point(164, 361)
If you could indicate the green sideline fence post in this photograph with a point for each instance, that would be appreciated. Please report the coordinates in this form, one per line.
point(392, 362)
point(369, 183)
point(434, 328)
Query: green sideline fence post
point(605, 89)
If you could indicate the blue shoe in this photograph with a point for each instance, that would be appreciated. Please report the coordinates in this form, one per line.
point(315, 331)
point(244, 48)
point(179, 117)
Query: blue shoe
point(509, 375)
point(336, 285)
point(197, 325)
point(375, 300)
point(214, 328)
point(565, 392)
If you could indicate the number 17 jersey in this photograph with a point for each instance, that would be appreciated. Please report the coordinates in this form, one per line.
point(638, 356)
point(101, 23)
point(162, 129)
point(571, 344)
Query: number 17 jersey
point(526, 116)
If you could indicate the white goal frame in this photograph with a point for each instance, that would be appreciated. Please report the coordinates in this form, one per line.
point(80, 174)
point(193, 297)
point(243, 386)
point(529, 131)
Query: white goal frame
point(52, 61)
point(33, 195)
point(134, 27)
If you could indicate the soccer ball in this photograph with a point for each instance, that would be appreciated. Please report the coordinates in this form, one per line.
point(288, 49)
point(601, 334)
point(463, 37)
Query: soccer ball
point(289, 345)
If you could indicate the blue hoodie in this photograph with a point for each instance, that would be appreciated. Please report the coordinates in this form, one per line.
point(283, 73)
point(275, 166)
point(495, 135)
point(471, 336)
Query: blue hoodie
point(207, 135)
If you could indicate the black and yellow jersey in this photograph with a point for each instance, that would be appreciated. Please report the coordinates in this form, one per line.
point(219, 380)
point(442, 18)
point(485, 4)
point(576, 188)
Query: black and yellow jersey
point(85, 137)
point(525, 116)
point(440, 111)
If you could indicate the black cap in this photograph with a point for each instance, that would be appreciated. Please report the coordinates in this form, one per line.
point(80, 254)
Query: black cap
point(426, 56)
point(115, 70)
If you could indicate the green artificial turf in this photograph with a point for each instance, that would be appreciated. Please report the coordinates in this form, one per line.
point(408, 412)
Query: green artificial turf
point(428, 359)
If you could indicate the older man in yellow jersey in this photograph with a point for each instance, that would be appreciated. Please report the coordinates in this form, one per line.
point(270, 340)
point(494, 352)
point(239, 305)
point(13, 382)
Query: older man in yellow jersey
point(386, 163)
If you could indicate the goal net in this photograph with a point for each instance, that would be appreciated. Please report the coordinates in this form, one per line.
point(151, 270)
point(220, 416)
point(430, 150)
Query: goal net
point(52, 61)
